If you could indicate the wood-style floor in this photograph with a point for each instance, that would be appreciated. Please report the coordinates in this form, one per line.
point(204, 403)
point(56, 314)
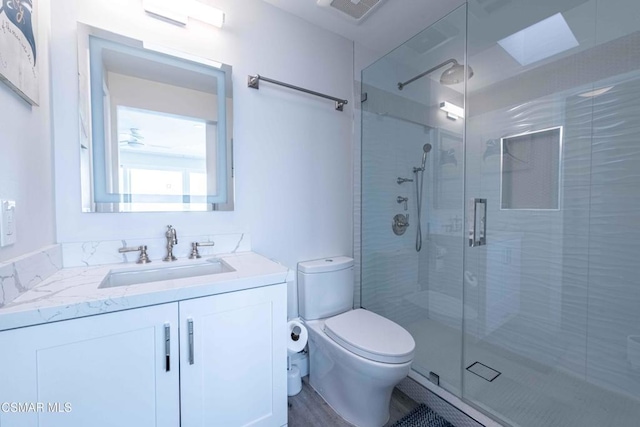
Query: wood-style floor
point(308, 409)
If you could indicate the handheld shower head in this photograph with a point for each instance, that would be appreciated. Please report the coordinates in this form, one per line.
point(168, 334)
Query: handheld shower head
point(419, 185)
point(426, 148)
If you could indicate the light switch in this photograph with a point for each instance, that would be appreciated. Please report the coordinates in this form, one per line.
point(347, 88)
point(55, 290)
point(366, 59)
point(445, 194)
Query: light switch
point(7, 222)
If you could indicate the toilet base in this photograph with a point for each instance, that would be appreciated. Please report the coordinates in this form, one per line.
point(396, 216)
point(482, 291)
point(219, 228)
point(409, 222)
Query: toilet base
point(358, 389)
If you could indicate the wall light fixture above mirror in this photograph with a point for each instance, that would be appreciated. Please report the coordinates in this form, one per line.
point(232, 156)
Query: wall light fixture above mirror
point(179, 12)
point(155, 127)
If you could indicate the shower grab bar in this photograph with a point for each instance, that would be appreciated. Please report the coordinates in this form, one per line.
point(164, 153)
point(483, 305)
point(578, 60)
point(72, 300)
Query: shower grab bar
point(254, 83)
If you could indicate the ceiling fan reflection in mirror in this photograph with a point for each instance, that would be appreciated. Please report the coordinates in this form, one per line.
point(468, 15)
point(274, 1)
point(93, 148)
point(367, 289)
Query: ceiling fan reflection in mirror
point(135, 139)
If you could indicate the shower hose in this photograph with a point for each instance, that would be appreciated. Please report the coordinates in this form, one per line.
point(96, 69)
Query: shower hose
point(419, 185)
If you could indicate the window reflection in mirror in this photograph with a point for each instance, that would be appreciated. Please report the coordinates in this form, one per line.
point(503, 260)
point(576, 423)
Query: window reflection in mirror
point(165, 154)
point(160, 136)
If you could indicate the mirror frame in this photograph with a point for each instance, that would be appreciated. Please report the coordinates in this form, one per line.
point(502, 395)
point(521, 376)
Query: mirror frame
point(96, 196)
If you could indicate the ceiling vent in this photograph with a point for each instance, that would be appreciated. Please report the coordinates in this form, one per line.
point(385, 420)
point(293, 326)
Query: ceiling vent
point(354, 10)
point(484, 8)
point(433, 37)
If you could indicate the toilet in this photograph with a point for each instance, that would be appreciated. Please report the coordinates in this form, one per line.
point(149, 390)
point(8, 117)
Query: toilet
point(356, 357)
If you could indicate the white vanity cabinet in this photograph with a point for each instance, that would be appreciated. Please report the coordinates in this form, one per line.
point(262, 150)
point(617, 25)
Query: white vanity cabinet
point(113, 370)
point(233, 359)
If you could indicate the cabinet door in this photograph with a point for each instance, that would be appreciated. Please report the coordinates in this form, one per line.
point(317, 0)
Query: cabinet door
point(100, 371)
point(234, 373)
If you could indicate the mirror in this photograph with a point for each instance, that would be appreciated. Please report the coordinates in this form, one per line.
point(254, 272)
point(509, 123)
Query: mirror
point(155, 127)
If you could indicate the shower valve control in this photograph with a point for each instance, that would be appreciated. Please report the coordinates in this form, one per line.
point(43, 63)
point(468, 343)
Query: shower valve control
point(402, 180)
point(400, 224)
point(404, 200)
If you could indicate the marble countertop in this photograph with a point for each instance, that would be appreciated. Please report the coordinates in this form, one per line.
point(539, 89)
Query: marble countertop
point(73, 292)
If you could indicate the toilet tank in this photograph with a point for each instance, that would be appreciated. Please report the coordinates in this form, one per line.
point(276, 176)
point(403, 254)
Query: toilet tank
point(325, 287)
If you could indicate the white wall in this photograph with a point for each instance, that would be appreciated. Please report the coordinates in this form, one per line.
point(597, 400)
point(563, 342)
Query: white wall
point(25, 157)
point(292, 152)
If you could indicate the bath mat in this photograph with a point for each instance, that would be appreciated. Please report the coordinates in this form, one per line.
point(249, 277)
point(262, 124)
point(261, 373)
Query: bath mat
point(422, 416)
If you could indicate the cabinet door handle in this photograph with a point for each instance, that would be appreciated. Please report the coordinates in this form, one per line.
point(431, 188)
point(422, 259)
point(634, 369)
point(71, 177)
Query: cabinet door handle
point(191, 350)
point(167, 347)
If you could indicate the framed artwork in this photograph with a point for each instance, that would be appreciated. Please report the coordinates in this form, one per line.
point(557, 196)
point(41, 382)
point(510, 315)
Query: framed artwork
point(18, 48)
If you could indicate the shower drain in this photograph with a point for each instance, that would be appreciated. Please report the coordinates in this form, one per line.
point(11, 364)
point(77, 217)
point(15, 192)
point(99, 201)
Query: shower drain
point(483, 371)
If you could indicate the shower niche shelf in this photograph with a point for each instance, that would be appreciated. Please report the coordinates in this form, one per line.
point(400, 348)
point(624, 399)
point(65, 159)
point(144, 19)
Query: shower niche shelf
point(530, 170)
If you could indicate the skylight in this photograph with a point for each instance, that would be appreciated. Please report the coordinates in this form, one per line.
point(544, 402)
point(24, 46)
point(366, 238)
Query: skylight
point(541, 40)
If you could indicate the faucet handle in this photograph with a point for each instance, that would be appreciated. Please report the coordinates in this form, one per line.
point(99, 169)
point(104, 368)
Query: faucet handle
point(143, 258)
point(404, 200)
point(402, 180)
point(172, 234)
point(194, 249)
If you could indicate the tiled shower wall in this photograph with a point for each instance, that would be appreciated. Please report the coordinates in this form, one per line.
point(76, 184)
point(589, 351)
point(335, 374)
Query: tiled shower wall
point(564, 282)
point(391, 263)
point(614, 230)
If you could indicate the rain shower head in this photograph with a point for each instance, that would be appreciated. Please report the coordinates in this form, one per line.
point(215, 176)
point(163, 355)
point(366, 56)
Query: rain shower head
point(450, 76)
point(455, 74)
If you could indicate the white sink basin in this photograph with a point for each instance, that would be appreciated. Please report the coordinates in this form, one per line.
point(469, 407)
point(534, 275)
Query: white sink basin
point(137, 276)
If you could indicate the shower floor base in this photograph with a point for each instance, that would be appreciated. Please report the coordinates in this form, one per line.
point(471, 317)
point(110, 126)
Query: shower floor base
point(526, 393)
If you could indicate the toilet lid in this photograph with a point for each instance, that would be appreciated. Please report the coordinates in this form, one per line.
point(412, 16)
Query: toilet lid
point(371, 336)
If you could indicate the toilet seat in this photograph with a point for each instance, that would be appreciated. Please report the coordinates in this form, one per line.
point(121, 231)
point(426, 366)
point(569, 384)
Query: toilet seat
point(371, 336)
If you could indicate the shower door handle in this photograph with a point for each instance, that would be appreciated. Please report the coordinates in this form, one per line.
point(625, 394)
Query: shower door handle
point(478, 231)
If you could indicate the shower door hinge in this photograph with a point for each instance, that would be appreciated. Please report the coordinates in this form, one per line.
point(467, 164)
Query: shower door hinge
point(364, 97)
point(434, 378)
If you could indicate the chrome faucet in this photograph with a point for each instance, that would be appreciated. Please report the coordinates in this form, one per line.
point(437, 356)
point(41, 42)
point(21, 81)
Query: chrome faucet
point(172, 239)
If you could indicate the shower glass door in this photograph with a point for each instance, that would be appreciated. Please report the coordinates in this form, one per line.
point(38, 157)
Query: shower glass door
point(413, 274)
point(524, 298)
point(552, 302)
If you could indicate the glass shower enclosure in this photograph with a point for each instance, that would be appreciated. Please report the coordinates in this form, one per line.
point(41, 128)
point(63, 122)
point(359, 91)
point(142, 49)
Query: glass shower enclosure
point(518, 278)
